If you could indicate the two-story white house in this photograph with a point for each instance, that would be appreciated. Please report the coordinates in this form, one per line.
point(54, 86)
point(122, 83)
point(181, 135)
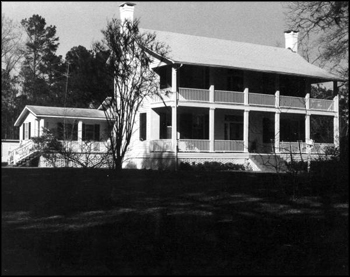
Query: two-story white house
point(229, 102)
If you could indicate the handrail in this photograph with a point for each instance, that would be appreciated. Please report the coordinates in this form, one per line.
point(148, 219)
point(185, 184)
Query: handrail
point(21, 152)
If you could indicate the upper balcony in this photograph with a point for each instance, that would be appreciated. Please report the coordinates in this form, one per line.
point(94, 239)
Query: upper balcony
point(205, 85)
point(251, 99)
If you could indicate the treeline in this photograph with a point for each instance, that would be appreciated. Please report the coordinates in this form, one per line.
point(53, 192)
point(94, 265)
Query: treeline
point(33, 74)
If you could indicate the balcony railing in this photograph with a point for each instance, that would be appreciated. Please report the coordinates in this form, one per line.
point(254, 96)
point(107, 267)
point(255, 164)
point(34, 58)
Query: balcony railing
point(194, 94)
point(259, 99)
point(229, 96)
point(262, 99)
point(293, 102)
point(321, 104)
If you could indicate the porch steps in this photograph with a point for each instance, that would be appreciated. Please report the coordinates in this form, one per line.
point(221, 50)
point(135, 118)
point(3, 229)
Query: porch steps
point(28, 158)
point(268, 162)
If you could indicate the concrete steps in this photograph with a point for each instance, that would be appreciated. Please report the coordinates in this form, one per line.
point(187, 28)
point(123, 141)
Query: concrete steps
point(25, 160)
point(268, 162)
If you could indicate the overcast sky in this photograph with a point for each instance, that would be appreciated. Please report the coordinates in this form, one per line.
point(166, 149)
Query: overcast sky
point(80, 23)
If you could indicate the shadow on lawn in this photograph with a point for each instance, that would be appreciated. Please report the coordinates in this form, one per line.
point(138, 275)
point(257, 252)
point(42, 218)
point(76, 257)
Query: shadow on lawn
point(177, 224)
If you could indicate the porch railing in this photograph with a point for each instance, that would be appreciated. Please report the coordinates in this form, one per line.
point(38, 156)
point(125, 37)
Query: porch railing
point(161, 145)
point(300, 147)
point(85, 146)
point(229, 145)
point(321, 104)
point(21, 152)
point(291, 101)
point(229, 96)
point(194, 94)
point(236, 97)
point(262, 99)
point(292, 147)
point(193, 145)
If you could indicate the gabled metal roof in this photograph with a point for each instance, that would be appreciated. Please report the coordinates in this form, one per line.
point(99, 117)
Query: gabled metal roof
point(43, 111)
point(196, 50)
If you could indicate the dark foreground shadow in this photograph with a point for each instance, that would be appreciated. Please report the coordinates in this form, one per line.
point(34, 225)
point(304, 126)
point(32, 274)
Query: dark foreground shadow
point(173, 224)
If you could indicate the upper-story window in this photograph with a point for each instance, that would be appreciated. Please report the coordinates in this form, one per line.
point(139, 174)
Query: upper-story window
point(234, 80)
point(292, 86)
point(165, 76)
point(194, 77)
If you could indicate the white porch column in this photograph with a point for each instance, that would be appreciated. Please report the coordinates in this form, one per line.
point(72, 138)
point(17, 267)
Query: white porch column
point(336, 122)
point(211, 85)
point(174, 127)
point(174, 88)
point(307, 101)
point(80, 131)
point(246, 89)
point(277, 89)
point(307, 117)
point(307, 126)
point(212, 129)
point(246, 96)
point(21, 132)
point(336, 134)
point(246, 131)
point(277, 131)
point(41, 126)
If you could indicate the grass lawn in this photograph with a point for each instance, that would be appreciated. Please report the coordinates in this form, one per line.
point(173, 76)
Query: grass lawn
point(94, 222)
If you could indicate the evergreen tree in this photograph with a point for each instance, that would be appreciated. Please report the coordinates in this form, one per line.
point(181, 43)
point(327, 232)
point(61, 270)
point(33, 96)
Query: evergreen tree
point(40, 61)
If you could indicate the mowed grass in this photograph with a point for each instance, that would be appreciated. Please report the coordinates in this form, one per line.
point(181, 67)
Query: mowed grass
point(138, 222)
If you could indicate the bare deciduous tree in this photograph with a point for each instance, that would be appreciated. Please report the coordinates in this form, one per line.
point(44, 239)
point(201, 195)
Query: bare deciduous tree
point(11, 44)
point(323, 26)
point(134, 80)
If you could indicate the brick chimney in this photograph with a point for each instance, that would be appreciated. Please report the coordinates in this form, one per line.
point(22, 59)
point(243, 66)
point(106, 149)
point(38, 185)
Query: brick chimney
point(127, 11)
point(291, 39)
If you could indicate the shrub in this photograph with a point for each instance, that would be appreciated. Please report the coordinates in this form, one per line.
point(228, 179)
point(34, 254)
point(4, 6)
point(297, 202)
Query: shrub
point(210, 166)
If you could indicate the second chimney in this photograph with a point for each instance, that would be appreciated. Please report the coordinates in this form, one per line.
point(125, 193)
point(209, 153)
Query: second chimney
point(291, 40)
point(126, 11)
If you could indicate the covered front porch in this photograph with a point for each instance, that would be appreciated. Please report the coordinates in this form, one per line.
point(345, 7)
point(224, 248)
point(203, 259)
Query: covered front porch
point(215, 130)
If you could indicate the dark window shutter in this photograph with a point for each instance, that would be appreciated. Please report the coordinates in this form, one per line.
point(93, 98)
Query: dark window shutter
point(75, 131)
point(24, 130)
point(143, 126)
point(83, 134)
point(60, 131)
point(29, 124)
point(97, 132)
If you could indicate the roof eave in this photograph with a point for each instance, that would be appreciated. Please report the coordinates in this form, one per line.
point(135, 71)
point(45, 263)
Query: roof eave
point(23, 115)
point(320, 78)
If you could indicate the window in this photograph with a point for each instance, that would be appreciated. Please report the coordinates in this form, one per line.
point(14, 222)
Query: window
point(67, 131)
point(143, 126)
point(200, 126)
point(91, 132)
point(233, 127)
point(234, 80)
point(268, 130)
point(164, 125)
point(194, 77)
point(292, 129)
point(165, 77)
point(26, 130)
